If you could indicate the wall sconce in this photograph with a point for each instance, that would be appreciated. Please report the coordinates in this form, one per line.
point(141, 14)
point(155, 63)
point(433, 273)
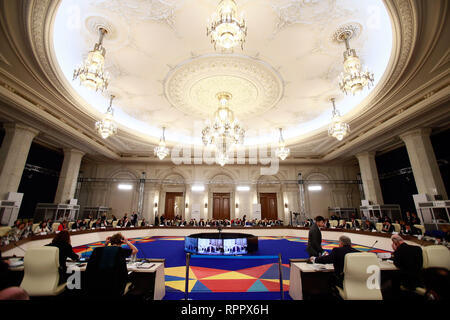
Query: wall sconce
point(286, 205)
point(187, 206)
point(237, 205)
point(156, 204)
point(206, 205)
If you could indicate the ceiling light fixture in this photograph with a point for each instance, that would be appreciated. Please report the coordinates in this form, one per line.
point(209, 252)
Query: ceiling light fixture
point(107, 127)
point(315, 188)
point(282, 152)
point(225, 131)
point(198, 188)
point(226, 30)
point(91, 72)
point(161, 150)
point(338, 128)
point(353, 79)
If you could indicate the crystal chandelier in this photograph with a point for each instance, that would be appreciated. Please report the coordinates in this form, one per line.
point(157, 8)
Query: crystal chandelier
point(353, 79)
point(91, 72)
point(161, 150)
point(226, 30)
point(106, 127)
point(225, 128)
point(225, 131)
point(282, 152)
point(338, 128)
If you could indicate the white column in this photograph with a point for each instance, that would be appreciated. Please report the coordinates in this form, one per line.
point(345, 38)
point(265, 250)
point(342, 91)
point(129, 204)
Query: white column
point(369, 176)
point(423, 162)
point(68, 175)
point(13, 156)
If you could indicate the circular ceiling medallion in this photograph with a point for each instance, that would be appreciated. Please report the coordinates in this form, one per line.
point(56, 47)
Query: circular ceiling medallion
point(350, 30)
point(191, 87)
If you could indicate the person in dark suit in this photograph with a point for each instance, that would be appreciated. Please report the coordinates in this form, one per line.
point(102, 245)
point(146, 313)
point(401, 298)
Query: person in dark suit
point(106, 271)
point(315, 237)
point(62, 242)
point(388, 227)
point(409, 260)
point(368, 226)
point(134, 218)
point(337, 258)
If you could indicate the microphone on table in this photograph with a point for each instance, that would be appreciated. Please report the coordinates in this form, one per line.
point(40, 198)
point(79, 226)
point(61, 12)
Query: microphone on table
point(17, 246)
point(374, 244)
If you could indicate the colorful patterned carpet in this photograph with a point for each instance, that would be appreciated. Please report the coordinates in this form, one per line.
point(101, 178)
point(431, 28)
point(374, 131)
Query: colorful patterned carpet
point(235, 279)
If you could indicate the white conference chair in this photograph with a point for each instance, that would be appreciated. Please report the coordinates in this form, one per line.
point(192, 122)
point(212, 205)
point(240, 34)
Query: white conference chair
point(356, 275)
point(397, 227)
point(4, 231)
point(34, 227)
point(55, 226)
point(41, 274)
point(379, 226)
point(436, 256)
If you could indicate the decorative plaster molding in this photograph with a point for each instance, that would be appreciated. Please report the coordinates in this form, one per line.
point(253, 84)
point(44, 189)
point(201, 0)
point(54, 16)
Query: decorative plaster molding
point(315, 12)
point(142, 10)
point(191, 87)
point(402, 11)
point(3, 60)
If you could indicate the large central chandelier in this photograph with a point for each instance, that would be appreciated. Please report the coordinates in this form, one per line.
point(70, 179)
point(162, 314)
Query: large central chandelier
point(353, 79)
point(225, 131)
point(161, 150)
point(282, 152)
point(107, 127)
point(226, 30)
point(91, 72)
point(338, 128)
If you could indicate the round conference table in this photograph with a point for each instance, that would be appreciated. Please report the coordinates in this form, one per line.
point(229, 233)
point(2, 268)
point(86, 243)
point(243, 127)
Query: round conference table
point(376, 239)
point(381, 240)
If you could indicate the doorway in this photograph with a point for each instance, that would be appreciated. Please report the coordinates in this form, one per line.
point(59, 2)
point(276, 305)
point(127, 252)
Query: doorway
point(221, 206)
point(174, 205)
point(268, 206)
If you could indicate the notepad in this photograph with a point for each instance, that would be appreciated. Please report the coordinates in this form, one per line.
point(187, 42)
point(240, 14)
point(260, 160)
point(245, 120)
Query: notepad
point(145, 266)
point(319, 266)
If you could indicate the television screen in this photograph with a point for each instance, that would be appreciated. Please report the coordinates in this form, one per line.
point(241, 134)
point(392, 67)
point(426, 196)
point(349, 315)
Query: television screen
point(190, 244)
point(235, 246)
point(210, 246)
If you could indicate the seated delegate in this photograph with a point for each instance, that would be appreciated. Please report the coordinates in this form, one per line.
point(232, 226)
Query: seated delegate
point(337, 258)
point(106, 271)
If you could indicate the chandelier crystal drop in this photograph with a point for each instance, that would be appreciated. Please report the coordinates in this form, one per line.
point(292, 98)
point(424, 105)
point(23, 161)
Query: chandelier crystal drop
point(91, 72)
point(226, 30)
point(282, 152)
point(338, 128)
point(222, 158)
point(161, 150)
point(107, 127)
point(353, 79)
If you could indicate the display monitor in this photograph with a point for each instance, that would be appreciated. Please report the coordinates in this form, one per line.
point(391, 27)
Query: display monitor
point(235, 246)
point(191, 244)
point(210, 246)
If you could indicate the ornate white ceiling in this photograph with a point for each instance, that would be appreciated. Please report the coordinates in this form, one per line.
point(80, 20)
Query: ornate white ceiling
point(164, 71)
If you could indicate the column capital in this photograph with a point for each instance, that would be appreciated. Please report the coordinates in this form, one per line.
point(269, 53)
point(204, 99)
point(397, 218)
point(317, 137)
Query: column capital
point(365, 154)
point(421, 132)
point(13, 126)
point(71, 150)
